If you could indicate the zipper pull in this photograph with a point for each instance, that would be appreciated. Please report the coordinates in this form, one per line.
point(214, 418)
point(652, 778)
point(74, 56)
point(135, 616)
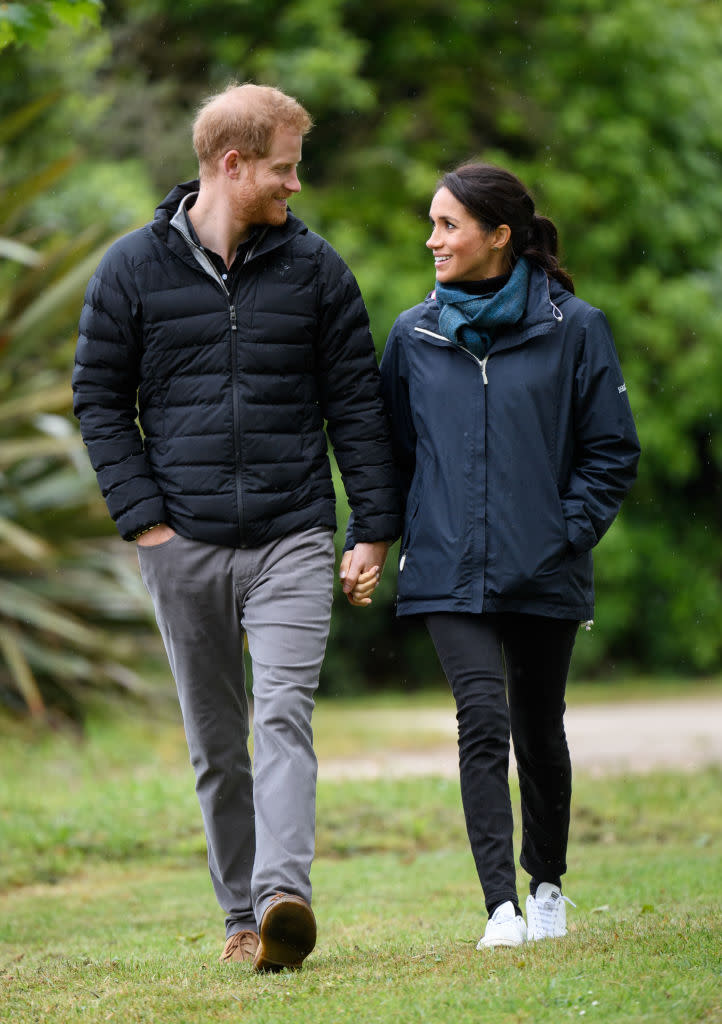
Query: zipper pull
point(483, 370)
point(234, 325)
point(402, 562)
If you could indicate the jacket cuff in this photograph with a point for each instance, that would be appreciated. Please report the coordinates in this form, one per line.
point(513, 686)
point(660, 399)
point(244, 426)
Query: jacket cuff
point(142, 516)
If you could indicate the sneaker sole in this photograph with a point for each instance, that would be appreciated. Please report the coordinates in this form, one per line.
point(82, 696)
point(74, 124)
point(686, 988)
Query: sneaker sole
point(288, 935)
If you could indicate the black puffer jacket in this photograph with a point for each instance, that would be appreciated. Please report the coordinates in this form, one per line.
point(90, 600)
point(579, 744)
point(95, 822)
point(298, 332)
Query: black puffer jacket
point(232, 391)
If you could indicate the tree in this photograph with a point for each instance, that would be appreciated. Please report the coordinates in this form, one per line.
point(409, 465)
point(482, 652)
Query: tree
point(629, 136)
point(31, 22)
point(612, 117)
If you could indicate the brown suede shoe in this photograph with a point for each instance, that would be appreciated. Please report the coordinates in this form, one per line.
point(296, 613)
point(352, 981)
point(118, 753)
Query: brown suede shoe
point(288, 934)
point(239, 948)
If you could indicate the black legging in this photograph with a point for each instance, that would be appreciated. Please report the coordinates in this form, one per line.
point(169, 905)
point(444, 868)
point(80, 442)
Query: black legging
point(510, 670)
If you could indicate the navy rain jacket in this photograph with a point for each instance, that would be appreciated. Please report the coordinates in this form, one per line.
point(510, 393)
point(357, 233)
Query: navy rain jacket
point(232, 391)
point(515, 466)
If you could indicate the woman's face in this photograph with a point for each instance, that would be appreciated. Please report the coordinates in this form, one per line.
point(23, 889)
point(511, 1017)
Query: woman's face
point(463, 250)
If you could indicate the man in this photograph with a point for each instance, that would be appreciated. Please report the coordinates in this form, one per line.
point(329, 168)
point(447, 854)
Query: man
point(233, 333)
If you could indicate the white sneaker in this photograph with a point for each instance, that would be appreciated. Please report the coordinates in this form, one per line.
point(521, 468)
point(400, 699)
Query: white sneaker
point(546, 913)
point(504, 928)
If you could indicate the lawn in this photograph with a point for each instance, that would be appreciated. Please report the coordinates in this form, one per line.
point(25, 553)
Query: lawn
point(107, 912)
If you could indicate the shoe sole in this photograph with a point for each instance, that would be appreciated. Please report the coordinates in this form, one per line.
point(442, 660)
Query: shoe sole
point(288, 935)
point(500, 945)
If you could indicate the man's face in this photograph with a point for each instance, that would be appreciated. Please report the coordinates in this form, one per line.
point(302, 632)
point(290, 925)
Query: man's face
point(266, 183)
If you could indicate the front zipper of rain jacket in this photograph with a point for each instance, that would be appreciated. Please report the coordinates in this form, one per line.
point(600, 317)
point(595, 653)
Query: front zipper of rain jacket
point(481, 363)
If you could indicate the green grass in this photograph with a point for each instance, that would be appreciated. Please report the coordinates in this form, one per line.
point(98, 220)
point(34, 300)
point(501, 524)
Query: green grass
point(107, 911)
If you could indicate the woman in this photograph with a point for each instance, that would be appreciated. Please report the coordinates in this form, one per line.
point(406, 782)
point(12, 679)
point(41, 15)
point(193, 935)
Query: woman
point(516, 445)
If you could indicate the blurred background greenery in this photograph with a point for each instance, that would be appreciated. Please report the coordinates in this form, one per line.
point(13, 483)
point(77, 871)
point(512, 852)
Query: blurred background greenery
point(612, 114)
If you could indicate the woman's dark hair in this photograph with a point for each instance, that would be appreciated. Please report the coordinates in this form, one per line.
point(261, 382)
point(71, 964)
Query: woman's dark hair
point(495, 196)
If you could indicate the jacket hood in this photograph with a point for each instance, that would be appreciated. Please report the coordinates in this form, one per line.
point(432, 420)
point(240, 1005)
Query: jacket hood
point(274, 235)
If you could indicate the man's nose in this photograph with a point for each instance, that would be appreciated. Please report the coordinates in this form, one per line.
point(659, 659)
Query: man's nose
point(292, 184)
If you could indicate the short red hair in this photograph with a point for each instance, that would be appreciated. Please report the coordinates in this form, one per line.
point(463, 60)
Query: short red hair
point(244, 117)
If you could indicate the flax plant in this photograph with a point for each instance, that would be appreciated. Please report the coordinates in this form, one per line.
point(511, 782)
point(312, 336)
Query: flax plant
point(65, 589)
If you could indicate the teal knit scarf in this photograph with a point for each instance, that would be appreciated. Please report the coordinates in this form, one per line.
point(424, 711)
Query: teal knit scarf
point(471, 320)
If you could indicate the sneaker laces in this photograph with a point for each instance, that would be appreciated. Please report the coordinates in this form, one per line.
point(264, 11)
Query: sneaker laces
point(550, 910)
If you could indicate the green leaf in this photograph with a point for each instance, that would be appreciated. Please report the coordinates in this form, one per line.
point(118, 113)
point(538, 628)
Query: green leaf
point(20, 670)
point(11, 250)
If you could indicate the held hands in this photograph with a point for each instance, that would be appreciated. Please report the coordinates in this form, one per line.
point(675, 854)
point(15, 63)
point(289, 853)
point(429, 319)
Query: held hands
point(361, 570)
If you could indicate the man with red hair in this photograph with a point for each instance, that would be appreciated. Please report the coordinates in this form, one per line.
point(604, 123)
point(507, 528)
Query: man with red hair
point(237, 337)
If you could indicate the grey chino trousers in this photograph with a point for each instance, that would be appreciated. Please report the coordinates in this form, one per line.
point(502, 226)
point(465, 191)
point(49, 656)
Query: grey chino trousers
point(259, 820)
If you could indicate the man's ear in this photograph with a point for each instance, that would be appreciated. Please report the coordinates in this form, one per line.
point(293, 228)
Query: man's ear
point(232, 163)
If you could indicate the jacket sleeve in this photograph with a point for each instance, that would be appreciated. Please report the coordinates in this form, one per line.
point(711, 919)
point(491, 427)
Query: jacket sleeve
point(606, 443)
point(350, 397)
point(105, 384)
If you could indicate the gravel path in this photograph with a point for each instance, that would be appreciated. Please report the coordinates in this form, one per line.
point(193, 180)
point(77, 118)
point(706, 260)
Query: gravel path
point(606, 739)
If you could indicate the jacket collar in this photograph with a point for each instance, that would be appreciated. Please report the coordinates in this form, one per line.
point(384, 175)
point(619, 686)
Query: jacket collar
point(169, 221)
point(542, 315)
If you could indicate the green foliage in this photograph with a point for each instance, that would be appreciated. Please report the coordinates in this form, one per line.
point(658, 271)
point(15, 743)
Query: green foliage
point(613, 119)
point(64, 591)
point(611, 114)
point(631, 175)
point(52, 113)
point(29, 23)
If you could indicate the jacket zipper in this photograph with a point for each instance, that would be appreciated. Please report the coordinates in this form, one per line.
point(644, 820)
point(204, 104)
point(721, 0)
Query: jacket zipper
point(236, 413)
point(481, 363)
point(210, 269)
point(213, 273)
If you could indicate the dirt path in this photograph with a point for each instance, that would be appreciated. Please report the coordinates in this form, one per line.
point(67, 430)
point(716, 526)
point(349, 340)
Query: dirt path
point(605, 739)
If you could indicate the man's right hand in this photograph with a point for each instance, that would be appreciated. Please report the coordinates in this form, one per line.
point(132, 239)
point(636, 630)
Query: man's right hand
point(158, 535)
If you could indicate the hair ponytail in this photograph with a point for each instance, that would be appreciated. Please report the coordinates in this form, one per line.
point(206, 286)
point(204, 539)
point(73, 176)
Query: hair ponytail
point(494, 196)
point(542, 249)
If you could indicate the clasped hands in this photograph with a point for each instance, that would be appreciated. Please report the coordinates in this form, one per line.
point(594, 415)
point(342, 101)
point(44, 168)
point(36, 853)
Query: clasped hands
point(360, 571)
